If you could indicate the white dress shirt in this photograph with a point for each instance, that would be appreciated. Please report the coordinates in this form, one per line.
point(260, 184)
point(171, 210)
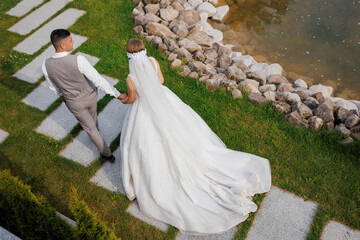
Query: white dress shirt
point(89, 72)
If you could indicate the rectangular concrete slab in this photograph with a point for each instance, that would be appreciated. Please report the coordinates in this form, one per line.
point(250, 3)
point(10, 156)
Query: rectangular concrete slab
point(60, 122)
point(109, 176)
point(68, 220)
point(82, 149)
point(41, 97)
point(228, 235)
point(134, 210)
point(6, 235)
point(3, 135)
point(38, 17)
point(24, 7)
point(282, 215)
point(337, 231)
point(41, 37)
point(32, 72)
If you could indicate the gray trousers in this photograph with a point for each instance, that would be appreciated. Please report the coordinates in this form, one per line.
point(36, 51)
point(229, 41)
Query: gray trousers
point(85, 111)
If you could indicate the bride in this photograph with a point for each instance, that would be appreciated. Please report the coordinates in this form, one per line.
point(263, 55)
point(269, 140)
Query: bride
point(179, 170)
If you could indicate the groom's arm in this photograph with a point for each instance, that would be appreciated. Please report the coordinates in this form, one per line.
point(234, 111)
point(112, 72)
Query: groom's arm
point(90, 73)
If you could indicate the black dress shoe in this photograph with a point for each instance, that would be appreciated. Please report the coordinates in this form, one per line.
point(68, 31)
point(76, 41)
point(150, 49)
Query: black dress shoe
point(109, 158)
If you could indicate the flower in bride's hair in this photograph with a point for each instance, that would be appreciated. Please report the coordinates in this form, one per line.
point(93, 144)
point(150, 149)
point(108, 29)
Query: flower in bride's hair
point(132, 55)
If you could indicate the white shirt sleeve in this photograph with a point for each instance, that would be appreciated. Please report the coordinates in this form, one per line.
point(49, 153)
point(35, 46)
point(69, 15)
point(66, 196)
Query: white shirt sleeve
point(52, 86)
point(90, 73)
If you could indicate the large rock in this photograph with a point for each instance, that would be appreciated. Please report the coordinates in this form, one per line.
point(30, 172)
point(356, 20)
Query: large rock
point(315, 122)
point(150, 17)
point(281, 107)
point(140, 20)
point(275, 68)
point(258, 76)
point(228, 84)
point(138, 29)
point(340, 102)
point(224, 61)
point(342, 114)
point(212, 84)
point(206, 7)
point(357, 103)
point(300, 83)
point(302, 109)
point(236, 93)
point(183, 53)
point(211, 53)
point(220, 76)
point(342, 130)
point(325, 111)
point(235, 73)
point(170, 44)
point(352, 121)
point(177, 6)
point(270, 95)
point(267, 87)
point(190, 17)
point(326, 91)
point(311, 102)
point(156, 41)
point(249, 85)
point(200, 38)
point(169, 14)
point(319, 97)
point(215, 35)
point(302, 94)
point(220, 13)
point(159, 30)
point(285, 87)
point(288, 97)
point(199, 67)
point(297, 120)
point(276, 79)
point(152, 8)
point(194, 3)
point(179, 27)
point(247, 60)
point(189, 45)
point(257, 97)
point(199, 56)
point(176, 63)
point(185, 70)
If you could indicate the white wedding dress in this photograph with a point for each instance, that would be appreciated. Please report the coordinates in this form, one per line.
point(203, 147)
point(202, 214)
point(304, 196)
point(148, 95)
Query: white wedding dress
point(179, 170)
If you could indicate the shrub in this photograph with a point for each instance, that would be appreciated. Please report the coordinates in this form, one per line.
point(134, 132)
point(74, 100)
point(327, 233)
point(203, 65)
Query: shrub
point(26, 215)
point(89, 226)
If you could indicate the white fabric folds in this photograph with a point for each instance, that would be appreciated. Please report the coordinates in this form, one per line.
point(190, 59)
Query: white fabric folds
point(178, 169)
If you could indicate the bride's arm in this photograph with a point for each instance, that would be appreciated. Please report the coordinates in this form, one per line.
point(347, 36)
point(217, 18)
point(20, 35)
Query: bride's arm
point(159, 73)
point(131, 91)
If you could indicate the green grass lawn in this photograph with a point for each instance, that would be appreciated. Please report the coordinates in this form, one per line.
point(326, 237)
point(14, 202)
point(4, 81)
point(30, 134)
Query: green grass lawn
point(310, 164)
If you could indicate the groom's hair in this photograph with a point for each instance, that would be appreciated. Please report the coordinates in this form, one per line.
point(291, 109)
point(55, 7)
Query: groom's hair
point(134, 45)
point(57, 36)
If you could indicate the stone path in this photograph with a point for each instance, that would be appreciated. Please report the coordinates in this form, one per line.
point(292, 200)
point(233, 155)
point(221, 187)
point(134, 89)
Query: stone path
point(6, 235)
point(24, 7)
point(282, 215)
point(3, 135)
point(40, 15)
point(41, 37)
point(32, 72)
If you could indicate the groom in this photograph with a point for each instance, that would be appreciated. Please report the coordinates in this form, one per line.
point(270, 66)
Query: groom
point(75, 81)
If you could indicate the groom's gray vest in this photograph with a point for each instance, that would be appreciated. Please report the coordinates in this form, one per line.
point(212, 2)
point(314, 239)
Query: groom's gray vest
point(65, 74)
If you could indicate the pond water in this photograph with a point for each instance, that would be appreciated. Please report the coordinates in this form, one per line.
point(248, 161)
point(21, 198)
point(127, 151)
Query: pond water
point(318, 41)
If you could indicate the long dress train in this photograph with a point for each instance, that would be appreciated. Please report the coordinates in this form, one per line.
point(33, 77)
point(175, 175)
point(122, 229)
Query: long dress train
point(177, 168)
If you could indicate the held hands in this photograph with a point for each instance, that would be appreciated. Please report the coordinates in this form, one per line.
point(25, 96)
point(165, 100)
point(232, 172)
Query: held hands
point(123, 97)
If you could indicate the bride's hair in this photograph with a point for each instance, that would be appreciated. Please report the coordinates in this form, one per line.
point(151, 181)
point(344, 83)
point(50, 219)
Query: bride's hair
point(134, 45)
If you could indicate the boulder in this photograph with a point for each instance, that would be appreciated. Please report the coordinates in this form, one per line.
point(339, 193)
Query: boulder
point(211, 54)
point(340, 102)
point(258, 76)
point(206, 7)
point(220, 13)
point(275, 68)
point(281, 107)
point(212, 84)
point(200, 38)
point(181, 30)
point(302, 109)
point(300, 83)
point(325, 111)
point(352, 121)
point(303, 95)
point(270, 95)
point(150, 17)
point(267, 87)
point(156, 41)
point(311, 102)
point(199, 67)
point(199, 56)
point(257, 97)
point(177, 6)
point(342, 130)
point(319, 97)
point(326, 91)
point(276, 79)
point(172, 56)
point(285, 87)
point(247, 60)
point(224, 61)
point(235, 73)
point(183, 53)
point(194, 3)
point(189, 45)
point(170, 44)
point(185, 70)
point(165, 3)
point(315, 122)
point(249, 85)
point(204, 78)
point(169, 14)
point(347, 141)
point(220, 76)
point(357, 104)
point(288, 97)
point(159, 30)
point(297, 120)
point(152, 8)
point(190, 17)
point(194, 75)
point(329, 125)
point(342, 114)
point(236, 93)
point(140, 20)
point(138, 29)
point(215, 35)
point(175, 63)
